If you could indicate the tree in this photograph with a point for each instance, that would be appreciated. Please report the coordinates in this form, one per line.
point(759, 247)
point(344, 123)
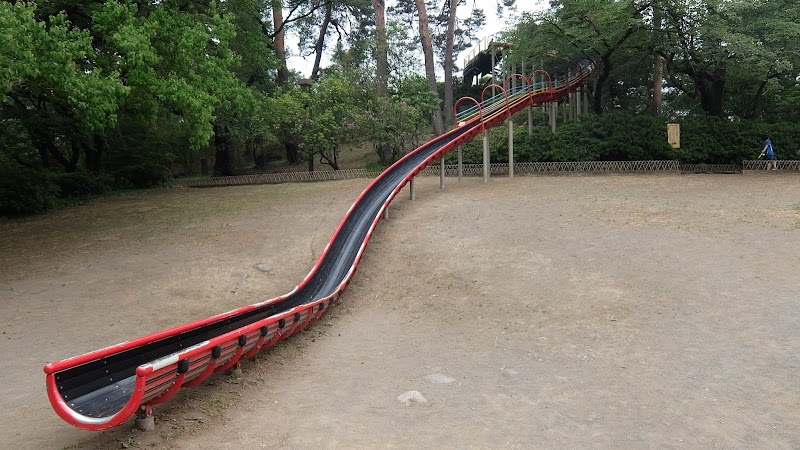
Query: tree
point(658, 63)
point(331, 117)
point(398, 123)
point(596, 30)
point(48, 91)
point(767, 61)
point(381, 44)
point(449, 36)
point(448, 61)
point(279, 42)
point(706, 43)
point(71, 84)
point(430, 71)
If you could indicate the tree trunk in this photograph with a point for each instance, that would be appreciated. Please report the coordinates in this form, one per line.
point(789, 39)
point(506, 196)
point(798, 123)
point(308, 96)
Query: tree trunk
point(658, 82)
point(69, 167)
point(430, 70)
point(448, 64)
point(319, 46)
point(94, 153)
point(597, 103)
point(279, 44)
point(75, 146)
point(223, 160)
point(381, 57)
point(752, 105)
point(292, 152)
point(712, 88)
point(658, 66)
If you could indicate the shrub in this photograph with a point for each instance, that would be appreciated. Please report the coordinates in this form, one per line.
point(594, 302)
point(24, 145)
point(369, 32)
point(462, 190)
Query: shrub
point(625, 136)
point(82, 183)
point(141, 176)
point(25, 190)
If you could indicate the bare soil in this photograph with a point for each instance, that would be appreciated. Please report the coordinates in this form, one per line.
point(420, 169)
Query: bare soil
point(607, 311)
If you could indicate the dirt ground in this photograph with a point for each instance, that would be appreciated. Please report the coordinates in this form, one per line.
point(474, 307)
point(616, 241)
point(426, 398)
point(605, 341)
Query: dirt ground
point(597, 311)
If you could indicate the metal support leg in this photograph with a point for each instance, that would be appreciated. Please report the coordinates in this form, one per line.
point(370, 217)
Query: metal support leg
point(235, 371)
point(486, 156)
point(510, 148)
point(411, 193)
point(144, 418)
point(460, 163)
point(386, 213)
point(441, 173)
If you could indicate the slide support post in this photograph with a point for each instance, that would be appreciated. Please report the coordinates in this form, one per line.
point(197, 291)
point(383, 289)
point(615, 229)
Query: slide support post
point(441, 173)
point(511, 148)
point(486, 156)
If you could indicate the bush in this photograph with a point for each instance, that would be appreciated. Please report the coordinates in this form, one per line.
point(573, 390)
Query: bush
point(719, 140)
point(81, 183)
point(141, 176)
point(25, 190)
point(624, 136)
point(613, 136)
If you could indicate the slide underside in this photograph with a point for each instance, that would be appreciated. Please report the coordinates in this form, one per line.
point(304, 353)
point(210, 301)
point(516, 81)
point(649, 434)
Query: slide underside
point(104, 388)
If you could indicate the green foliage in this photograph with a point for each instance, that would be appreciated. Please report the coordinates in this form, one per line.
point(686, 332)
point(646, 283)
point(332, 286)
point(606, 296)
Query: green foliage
point(140, 84)
point(49, 60)
point(620, 136)
point(81, 183)
point(141, 176)
point(332, 115)
point(610, 137)
point(398, 124)
point(706, 139)
point(25, 190)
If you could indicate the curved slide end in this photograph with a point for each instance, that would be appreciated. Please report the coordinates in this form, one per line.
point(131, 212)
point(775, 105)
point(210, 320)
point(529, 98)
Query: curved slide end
point(126, 401)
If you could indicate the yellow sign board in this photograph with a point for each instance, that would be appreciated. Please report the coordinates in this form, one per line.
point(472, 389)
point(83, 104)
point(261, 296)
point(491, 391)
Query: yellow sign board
point(674, 135)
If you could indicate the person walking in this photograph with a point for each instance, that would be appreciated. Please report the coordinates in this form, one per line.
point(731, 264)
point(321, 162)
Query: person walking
point(768, 152)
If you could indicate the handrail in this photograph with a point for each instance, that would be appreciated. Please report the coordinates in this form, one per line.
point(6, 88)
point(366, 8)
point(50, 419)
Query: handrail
point(505, 95)
point(482, 45)
point(547, 74)
point(509, 79)
point(478, 105)
point(550, 90)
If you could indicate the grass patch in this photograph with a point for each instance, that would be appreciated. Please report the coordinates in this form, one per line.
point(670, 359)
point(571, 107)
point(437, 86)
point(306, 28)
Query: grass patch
point(276, 163)
point(218, 404)
point(374, 166)
point(796, 208)
point(129, 443)
point(75, 446)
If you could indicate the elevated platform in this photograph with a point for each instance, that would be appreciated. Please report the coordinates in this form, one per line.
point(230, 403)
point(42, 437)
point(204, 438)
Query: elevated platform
point(484, 57)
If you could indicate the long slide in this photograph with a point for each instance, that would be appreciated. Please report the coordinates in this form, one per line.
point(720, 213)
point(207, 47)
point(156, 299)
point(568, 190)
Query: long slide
point(104, 388)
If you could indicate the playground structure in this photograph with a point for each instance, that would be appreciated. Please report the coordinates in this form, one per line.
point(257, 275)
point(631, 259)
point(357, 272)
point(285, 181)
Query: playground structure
point(104, 388)
point(483, 58)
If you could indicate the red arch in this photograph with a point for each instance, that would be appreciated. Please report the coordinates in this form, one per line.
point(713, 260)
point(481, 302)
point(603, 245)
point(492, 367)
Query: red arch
point(505, 94)
point(507, 83)
point(480, 109)
point(549, 80)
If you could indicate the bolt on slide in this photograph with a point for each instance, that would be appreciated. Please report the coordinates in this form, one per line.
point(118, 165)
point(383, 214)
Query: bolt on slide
point(104, 388)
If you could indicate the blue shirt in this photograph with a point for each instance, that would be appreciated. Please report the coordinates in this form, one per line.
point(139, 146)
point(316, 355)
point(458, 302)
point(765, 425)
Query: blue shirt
point(768, 145)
